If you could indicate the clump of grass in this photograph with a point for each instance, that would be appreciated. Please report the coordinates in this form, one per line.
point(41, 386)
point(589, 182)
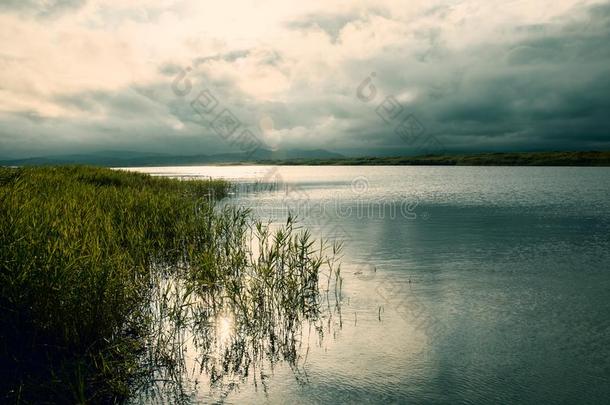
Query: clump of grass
point(76, 248)
point(104, 273)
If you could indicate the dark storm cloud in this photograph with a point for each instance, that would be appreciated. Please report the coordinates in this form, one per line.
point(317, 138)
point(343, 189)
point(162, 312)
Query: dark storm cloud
point(116, 104)
point(538, 86)
point(549, 89)
point(66, 136)
point(146, 118)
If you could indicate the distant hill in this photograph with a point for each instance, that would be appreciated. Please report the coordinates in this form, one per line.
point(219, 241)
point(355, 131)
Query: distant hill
point(593, 158)
point(134, 159)
point(319, 157)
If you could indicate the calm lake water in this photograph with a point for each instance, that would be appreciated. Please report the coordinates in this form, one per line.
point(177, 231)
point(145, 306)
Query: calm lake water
point(461, 284)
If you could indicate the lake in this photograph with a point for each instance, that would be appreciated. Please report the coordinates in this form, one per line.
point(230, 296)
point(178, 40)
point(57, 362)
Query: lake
point(460, 284)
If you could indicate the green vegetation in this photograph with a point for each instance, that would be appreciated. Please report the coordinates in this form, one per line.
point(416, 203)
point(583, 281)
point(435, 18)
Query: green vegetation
point(102, 272)
point(483, 159)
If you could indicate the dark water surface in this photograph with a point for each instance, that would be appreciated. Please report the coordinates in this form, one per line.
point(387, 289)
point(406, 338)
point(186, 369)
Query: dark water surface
point(461, 284)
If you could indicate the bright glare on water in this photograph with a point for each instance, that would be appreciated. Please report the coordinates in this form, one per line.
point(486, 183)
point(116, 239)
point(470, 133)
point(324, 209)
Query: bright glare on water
point(461, 284)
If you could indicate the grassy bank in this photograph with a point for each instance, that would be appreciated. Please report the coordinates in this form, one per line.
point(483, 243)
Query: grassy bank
point(481, 159)
point(83, 255)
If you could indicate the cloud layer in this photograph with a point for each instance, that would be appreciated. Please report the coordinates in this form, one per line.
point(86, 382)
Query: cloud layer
point(79, 76)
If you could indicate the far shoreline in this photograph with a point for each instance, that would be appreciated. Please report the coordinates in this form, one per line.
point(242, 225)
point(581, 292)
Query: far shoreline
point(525, 159)
point(584, 159)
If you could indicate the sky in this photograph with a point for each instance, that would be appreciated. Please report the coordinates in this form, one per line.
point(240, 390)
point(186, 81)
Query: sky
point(355, 77)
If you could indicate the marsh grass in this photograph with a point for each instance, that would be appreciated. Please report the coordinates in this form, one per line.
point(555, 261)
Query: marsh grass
point(108, 278)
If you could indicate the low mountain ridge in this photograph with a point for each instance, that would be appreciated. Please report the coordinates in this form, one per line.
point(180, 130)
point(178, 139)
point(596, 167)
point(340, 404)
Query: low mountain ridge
point(132, 159)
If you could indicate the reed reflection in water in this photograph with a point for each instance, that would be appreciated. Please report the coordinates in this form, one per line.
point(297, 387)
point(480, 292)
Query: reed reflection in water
point(274, 299)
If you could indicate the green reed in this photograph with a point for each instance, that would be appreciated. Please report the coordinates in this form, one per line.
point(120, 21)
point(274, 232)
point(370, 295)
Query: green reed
point(103, 272)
